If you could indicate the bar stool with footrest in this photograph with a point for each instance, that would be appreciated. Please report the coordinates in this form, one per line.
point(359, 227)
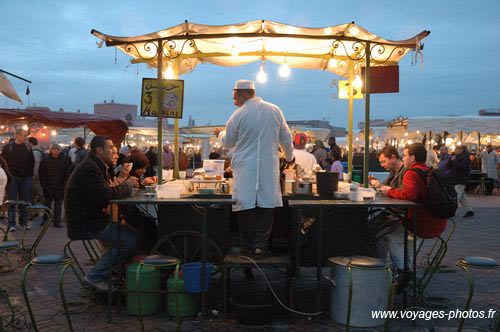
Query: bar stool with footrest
point(475, 262)
point(6, 246)
point(46, 261)
point(159, 262)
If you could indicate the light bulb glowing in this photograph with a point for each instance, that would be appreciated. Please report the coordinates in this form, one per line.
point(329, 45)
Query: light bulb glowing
point(284, 70)
point(168, 73)
point(53, 133)
point(25, 127)
point(357, 83)
point(261, 76)
point(234, 51)
point(406, 134)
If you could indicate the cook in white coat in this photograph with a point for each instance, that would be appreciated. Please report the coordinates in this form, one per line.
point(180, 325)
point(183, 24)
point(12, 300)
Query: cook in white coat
point(254, 131)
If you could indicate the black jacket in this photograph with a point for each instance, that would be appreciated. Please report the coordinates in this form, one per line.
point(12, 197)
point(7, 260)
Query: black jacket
point(459, 167)
point(87, 196)
point(53, 174)
point(19, 158)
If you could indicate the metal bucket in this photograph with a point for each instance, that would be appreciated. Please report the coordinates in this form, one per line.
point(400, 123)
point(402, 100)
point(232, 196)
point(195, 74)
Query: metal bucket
point(369, 293)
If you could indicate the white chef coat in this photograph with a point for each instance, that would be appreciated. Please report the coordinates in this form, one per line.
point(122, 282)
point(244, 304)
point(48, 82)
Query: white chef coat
point(254, 131)
point(304, 159)
point(489, 163)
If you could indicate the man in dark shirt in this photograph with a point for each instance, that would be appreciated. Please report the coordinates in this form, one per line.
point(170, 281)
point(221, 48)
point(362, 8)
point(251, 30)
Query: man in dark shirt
point(21, 162)
point(86, 199)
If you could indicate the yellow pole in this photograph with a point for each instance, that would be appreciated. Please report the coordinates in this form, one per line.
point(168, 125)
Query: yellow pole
point(176, 130)
point(350, 120)
point(160, 117)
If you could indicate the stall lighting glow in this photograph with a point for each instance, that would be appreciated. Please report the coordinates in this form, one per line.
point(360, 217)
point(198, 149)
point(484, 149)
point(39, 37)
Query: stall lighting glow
point(418, 131)
point(25, 127)
point(262, 76)
point(357, 83)
point(53, 133)
point(2, 127)
point(168, 73)
point(143, 138)
point(406, 134)
point(234, 51)
point(459, 143)
point(284, 70)
point(448, 141)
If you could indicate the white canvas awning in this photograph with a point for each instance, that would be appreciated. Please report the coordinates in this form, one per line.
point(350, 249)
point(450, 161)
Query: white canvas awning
point(486, 125)
point(325, 48)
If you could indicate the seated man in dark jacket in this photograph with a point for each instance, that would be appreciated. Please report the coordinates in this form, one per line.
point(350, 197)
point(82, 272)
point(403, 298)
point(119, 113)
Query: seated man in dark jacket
point(87, 196)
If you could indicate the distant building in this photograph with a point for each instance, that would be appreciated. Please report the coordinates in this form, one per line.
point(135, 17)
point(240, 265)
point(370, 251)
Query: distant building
point(374, 123)
point(125, 112)
point(489, 112)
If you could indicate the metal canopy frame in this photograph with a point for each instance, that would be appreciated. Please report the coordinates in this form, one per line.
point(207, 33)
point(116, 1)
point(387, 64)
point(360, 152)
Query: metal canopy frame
point(362, 51)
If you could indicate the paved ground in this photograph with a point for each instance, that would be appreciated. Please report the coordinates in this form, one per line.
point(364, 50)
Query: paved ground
point(479, 236)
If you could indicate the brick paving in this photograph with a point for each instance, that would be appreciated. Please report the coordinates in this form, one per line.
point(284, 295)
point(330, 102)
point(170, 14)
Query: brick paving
point(479, 236)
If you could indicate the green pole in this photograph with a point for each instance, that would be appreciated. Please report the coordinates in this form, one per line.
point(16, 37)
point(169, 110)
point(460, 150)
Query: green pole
point(349, 128)
point(366, 160)
point(159, 112)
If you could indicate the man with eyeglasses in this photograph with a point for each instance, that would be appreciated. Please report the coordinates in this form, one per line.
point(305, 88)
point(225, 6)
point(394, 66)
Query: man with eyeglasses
point(389, 159)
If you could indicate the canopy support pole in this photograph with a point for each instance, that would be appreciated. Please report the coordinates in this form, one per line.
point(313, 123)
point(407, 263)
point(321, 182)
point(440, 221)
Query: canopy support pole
point(160, 113)
point(350, 120)
point(366, 159)
point(176, 130)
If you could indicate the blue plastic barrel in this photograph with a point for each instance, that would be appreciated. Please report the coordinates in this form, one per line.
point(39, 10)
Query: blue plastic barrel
point(192, 276)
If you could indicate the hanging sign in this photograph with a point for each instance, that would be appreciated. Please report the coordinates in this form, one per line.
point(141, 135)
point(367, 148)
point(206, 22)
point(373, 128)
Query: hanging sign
point(383, 79)
point(173, 98)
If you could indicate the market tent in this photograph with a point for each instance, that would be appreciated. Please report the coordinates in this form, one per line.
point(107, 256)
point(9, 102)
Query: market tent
point(100, 125)
point(325, 48)
point(342, 49)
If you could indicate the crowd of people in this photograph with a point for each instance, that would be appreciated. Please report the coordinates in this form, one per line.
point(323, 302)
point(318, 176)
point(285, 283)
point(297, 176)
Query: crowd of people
point(87, 180)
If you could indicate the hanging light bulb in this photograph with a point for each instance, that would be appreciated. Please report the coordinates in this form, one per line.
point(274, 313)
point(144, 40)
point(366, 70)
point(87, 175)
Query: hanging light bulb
point(262, 76)
point(357, 83)
point(234, 51)
point(168, 72)
point(284, 70)
point(53, 133)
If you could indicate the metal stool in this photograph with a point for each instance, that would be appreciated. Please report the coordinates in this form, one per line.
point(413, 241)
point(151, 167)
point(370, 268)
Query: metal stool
point(48, 260)
point(29, 251)
point(240, 261)
point(477, 263)
point(158, 261)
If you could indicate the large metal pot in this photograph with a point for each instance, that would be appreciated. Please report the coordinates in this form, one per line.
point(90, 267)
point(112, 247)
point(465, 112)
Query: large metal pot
point(302, 188)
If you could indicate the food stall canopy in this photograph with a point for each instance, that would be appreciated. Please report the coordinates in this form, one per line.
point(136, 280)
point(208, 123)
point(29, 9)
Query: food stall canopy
point(100, 125)
point(489, 125)
point(327, 48)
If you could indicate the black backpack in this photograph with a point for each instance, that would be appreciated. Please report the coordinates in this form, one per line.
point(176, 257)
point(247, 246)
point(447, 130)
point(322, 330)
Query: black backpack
point(441, 194)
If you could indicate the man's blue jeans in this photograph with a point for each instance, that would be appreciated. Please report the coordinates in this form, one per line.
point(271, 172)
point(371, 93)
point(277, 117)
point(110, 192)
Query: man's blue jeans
point(127, 245)
point(20, 189)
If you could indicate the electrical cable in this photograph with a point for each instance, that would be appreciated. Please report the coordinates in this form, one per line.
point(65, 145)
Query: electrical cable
point(274, 294)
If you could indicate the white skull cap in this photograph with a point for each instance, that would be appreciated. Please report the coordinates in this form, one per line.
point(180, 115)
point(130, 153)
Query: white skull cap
point(244, 85)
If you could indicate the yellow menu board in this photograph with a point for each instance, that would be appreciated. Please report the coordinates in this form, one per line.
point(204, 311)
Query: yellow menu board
point(173, 98)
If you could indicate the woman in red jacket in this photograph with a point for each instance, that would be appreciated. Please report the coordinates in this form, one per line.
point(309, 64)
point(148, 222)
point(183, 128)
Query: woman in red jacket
point(414, 189)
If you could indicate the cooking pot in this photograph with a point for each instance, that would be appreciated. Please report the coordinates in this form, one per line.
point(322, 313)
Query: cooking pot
point(302, 188)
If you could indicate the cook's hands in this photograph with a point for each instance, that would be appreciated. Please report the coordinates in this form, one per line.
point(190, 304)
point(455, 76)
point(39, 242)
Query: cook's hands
point(133, 181)
point(217, 132)
point(385, 189)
